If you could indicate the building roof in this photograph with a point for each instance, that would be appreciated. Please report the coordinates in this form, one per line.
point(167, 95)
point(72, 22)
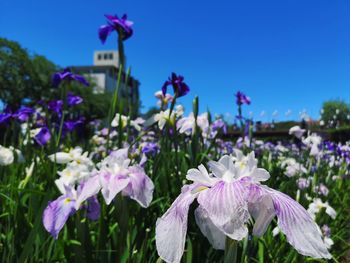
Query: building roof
point(88, 69)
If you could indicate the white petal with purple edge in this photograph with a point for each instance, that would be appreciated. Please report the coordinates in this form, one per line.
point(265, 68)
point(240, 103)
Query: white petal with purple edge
point(216, 237)
point(171, 228)
point(140, 188)
point(296, 223)
point(112, 185)
point(88, 189)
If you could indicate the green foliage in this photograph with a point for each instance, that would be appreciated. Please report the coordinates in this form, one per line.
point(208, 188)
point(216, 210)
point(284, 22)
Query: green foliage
point(22, 75)
point(335, 113)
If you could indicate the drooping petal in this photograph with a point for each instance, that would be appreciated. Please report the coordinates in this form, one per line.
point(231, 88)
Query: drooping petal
point(213, 234)
point(112, 185)
point(104, 32)
point(261, 209)
point(140, 188)
point(88, 189)
point(296, 223)
point(171, 228)
point(226, 206)
point(56, 214)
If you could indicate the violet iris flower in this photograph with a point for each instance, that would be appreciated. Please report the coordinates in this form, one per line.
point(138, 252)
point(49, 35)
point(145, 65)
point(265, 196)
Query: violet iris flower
point(179, 86)
point(242, 98)
point(73, 100)
point(5, 117)
point(150, 148)
point(43, 136)
point(58, 211)
point(67, 75)
point(121, 25)
point(24, 113)
point(228, 197)
point(55, 106)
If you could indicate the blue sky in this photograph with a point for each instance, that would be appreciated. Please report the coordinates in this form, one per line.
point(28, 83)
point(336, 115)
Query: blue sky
point(283, 54)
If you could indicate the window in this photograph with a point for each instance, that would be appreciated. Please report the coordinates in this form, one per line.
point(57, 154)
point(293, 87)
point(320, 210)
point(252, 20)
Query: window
point(110, 56)
point(105, 56)
point(99, 57)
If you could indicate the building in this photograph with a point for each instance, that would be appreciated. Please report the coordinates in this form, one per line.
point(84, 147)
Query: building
point(104, 74)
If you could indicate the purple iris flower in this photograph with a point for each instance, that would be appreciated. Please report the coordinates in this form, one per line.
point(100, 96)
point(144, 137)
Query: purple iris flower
point(43, 136)
point(5, 117)
point(150, 148)
point(179, 86)
point(55, 106)
point(58, 211)
point(121, 25)
point(242, 98)
point(229, 196)
point(73, 100)
point(67, 75)
point(24, 113)
point(70, 125)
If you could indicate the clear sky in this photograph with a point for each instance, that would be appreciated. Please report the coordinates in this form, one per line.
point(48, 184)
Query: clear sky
point(286, 55)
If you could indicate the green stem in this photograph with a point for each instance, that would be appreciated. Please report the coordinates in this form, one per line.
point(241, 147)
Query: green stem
point(230, 250)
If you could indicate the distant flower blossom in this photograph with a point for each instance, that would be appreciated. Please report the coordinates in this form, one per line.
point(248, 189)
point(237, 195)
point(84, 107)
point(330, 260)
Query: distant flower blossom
point(303, 183)
point(242, 98)
point(163, 100)
point(317, 205)
point(67, 75)
point(292, 167)
point(187, 124)
point(228, 196)
point(55, 106)
point(5, 117)
point(296, 131)
point(73, 100)
point(6, 156)
point(150, 148)
point(179, 86)
point(24, 113)
point(42, 136)
point(120, 25)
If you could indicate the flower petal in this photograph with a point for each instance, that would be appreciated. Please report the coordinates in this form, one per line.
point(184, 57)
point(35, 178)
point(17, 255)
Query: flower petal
point(56, 214)
point(261, 208)
point(214, 235)
point(104, 31)
point(171, 228)
point(227, 208)
point(88, 189)
point(112, 185)
point(296, 223)
point(140, 188)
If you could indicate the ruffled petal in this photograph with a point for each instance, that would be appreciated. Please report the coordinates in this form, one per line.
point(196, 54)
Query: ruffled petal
point(296, 223)
point(213, 234)
point(171, 228)
point(227, 208)
point(140, 188)
point(112, 185)
point(200, 175)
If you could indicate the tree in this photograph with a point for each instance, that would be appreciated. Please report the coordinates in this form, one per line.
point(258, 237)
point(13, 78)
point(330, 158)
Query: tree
point(22, 75)
point(335, 113)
